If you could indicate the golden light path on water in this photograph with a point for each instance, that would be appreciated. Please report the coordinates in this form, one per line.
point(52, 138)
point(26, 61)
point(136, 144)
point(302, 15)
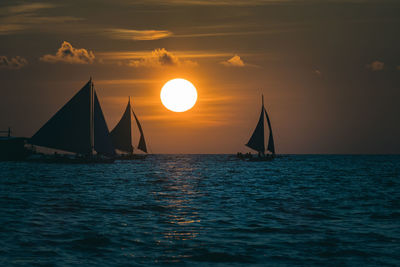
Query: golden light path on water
point(178, 192)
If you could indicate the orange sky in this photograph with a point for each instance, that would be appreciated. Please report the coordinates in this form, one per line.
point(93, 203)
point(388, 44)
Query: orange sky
point(328, 71)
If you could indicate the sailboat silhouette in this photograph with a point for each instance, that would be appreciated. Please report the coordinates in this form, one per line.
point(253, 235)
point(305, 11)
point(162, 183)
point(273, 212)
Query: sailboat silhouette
point(257, 139)
point(78, 127)
point(122, 136)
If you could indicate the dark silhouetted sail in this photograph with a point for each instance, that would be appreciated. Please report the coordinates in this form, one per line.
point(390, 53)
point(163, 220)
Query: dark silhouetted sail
point(256, 141)
point(77, 126)
point(122, 133)
point(69, 128)
point(142, 142)
point(102, 141)
point(271, 145)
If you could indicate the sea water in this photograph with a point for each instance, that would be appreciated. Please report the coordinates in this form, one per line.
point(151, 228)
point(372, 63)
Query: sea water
point(202, 210)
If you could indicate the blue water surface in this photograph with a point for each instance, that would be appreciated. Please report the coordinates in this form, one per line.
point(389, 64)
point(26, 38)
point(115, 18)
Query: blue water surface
point(202, 210)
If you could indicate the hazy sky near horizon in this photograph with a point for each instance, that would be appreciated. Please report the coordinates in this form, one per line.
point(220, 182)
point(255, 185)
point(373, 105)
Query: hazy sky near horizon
point(329, 70)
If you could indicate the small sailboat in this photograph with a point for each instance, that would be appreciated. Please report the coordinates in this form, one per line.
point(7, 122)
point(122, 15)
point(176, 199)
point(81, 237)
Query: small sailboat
point(78, 127)
point(257, 140)
point(122, 136)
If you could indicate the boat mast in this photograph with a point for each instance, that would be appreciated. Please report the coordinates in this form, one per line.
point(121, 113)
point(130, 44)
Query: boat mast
point(263, 109)
point(130, 126)
point(262, 101)
point(270, 143)
point(91, 117)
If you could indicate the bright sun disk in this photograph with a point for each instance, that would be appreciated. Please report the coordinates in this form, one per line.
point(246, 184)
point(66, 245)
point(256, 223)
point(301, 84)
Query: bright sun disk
point(178, 95)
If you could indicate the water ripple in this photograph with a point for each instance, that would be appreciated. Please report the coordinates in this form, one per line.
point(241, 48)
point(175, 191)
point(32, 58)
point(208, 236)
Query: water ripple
point(203, 210)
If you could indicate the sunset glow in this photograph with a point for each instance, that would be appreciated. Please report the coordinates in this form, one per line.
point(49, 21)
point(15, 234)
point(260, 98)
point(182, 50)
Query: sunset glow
point(178, 95)
point(328, 70)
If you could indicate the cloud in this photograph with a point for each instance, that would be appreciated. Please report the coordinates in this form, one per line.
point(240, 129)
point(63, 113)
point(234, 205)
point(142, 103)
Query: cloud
point(24, 8)
point(20, 17)
point(236, 33)
point(141, 58)
point(249, 2)
point(235, 61)
point(10, 28)
point(138, 35)
point(126, 81)
point(13, 63)
point(131, 55)
point(160, 57)
point(68, 54)
point(375, 65)
point(317, 72)
point(218, 2)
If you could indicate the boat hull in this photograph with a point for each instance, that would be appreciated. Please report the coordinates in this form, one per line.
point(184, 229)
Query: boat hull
point(250, 157)
point(131, 157)
point(62, 159)
point(260, 159)
point(13, 149)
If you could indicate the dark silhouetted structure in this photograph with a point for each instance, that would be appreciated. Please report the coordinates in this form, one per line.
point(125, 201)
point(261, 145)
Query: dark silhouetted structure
point(78, 127)
point(257, 139)
point(13, 148)
point(122, 135)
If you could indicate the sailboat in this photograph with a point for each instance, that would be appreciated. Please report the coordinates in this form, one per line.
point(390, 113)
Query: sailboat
point(257, 140)
point(122, 136)
point(78, 127)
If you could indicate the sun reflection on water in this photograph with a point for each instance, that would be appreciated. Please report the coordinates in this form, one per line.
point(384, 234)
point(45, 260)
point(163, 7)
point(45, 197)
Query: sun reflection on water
point(177, 193)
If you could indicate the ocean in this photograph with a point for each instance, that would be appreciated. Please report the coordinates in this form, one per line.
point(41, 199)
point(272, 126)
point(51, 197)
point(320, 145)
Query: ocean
point(212, 210)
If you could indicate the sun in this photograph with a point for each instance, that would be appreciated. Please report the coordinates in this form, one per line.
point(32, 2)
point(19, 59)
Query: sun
point(178, 95)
